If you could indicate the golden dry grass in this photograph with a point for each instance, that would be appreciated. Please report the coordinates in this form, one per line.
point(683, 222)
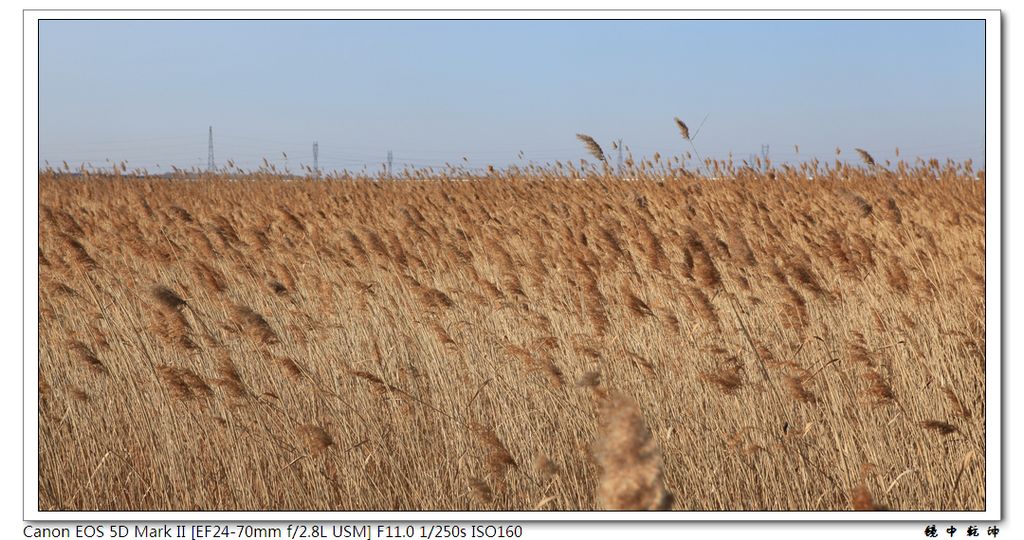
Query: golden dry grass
point(526, 340)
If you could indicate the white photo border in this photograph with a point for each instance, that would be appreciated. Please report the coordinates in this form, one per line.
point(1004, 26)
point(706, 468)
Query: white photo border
point(993, 269)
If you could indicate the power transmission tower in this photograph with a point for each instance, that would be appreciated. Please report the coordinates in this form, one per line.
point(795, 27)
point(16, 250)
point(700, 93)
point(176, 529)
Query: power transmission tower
point(316, 159)
point(209, 158)
point(764, 155)
point(390, 170)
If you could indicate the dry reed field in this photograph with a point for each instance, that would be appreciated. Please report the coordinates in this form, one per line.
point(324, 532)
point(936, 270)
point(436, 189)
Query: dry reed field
point(558, 338)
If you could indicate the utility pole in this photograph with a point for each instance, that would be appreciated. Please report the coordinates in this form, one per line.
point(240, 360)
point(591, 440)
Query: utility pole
point(209, 159)
point(316, 159)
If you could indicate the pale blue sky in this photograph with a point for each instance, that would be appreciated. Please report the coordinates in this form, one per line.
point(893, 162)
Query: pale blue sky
point(438, 91)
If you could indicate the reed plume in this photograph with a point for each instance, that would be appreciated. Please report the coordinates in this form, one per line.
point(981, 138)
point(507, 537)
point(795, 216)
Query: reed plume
point(591, 145)
point(940, 427)
point(254, 324)
point(315, 438)
point(628, 458)
point(683, 130)
point(866, 157)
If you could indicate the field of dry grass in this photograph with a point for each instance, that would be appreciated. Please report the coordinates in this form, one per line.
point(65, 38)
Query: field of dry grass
point(525, 340)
